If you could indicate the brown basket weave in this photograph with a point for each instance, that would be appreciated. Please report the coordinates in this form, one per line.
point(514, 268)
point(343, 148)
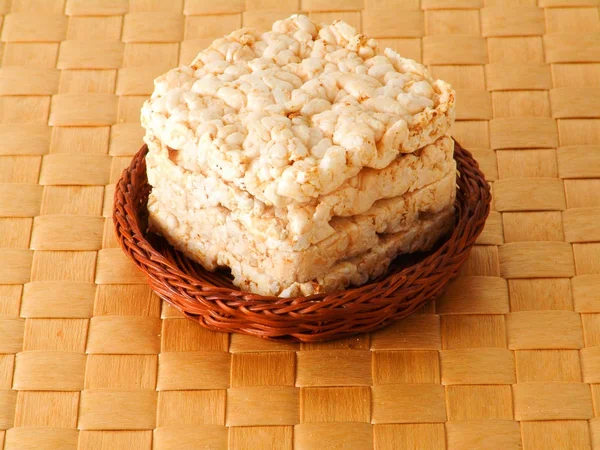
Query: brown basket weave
point(211, 299)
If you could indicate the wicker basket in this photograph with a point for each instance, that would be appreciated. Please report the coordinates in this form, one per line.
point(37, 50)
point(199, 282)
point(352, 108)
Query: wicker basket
point(211, 299)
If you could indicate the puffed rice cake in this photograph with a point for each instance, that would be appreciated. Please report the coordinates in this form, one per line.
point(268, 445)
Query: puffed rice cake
point(300, 158)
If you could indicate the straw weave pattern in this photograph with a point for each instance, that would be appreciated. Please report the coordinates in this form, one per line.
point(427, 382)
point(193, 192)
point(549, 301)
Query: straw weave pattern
point(507, 358)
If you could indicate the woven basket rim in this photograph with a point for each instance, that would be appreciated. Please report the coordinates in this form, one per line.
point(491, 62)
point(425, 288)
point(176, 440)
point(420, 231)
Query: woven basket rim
point(206, 297)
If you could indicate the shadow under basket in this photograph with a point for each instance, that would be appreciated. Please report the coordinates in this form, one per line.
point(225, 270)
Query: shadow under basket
point(211, 299)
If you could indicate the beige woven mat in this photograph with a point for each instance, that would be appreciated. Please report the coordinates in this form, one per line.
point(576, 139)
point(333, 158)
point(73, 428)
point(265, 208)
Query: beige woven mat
point(509, 358)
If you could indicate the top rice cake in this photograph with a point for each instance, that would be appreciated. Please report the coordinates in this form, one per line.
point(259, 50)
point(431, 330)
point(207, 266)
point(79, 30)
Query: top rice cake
point(281, 134)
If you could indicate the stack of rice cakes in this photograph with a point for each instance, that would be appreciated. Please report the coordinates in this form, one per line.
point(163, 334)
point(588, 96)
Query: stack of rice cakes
point(300, 158)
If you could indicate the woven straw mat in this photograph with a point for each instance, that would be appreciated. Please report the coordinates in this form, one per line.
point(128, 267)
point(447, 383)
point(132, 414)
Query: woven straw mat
point(509, 358)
